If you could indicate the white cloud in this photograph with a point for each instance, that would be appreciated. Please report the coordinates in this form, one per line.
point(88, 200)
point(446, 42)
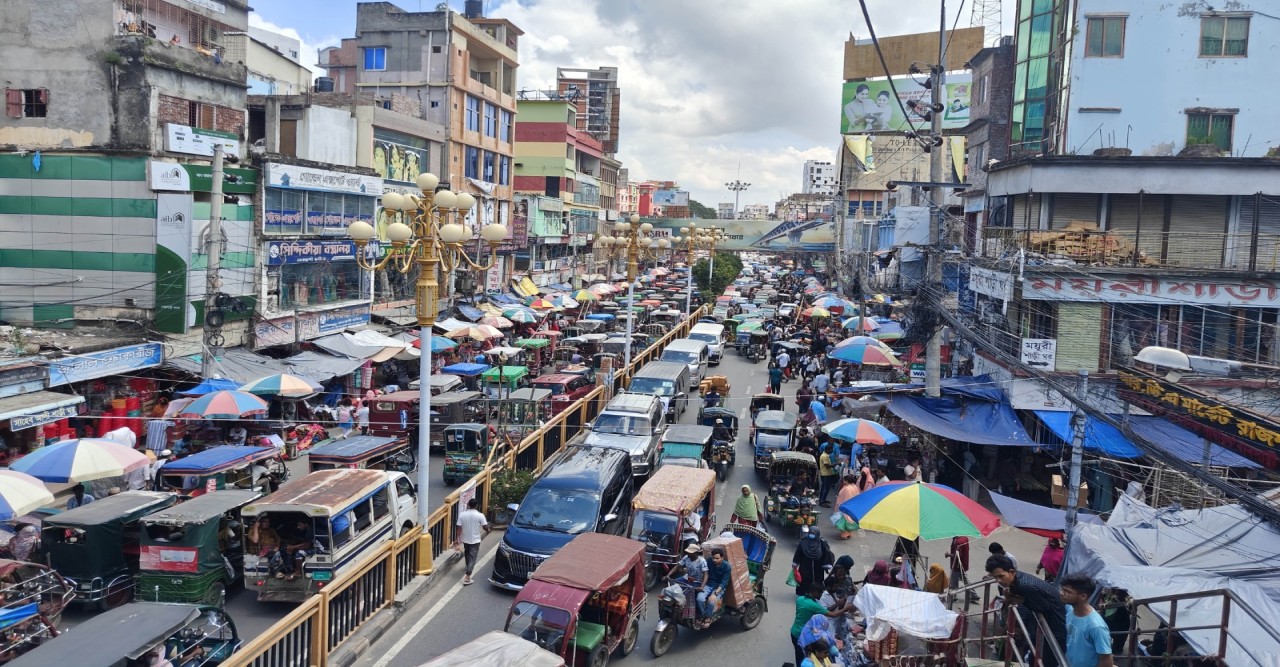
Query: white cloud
point(310, 45)
point(710, 85)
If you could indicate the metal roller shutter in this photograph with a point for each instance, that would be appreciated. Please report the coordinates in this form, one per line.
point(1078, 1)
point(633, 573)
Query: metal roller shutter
point(1122, 220)
point(1074, 207)
point(1197, 230)
point(1268, 232)
point(1024, 211)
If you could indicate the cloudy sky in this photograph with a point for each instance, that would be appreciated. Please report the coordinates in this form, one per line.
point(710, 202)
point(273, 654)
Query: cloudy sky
point(708, 86)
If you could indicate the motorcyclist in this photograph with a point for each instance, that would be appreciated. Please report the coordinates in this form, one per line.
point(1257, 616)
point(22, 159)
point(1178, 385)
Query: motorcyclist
point(721, 433)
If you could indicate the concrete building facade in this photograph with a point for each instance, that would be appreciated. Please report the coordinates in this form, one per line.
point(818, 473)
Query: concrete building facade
point(597, 101)
point(818, 178)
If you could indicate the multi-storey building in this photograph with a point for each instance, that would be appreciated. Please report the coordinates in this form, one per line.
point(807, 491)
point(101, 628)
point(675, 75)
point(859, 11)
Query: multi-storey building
point(987, 134)
point(596, 99)
point(724, 210)
point(818, 178)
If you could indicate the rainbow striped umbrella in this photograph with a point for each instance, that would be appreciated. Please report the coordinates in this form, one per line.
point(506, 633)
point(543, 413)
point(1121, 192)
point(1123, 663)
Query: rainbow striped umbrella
point(538, 303)
point(225, 405)
point(866, 323)
point(83, 460)
point(862, 340)
point(817, 311)
point(283, 384)
point(861, 431)
point(585, 295)
point(21, 493)
point(867, 355)
point(916, 509)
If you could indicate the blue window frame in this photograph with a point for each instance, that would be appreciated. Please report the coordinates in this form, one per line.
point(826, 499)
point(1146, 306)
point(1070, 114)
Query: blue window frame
point(505, 128)
point(504, 170)
point(489, 160)
point(473, 162)
point(490, 120)
point(375, 57)
point(473, 113)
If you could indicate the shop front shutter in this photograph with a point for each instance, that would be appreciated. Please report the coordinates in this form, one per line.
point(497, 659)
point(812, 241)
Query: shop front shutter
point(1024, 211)
point(1268, 233)
point(1198, 231)
point(1122, 221)
point(1074, 207)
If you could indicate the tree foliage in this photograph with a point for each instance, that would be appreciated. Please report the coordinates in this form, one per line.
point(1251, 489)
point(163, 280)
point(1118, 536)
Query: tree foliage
point(699, 210)
point(728, 266)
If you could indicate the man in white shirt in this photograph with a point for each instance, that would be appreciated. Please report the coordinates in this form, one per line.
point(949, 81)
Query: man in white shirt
point(784, 362)
point(362, 418)
point(472, 527)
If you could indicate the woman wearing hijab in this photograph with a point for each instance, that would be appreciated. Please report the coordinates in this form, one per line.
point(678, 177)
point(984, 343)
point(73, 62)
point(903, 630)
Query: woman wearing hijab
point(24, 543)
point(1051, 559)
point(845, 523)
point(879, 574)
point(937, 582)
point(812, 560)
point(746, 509)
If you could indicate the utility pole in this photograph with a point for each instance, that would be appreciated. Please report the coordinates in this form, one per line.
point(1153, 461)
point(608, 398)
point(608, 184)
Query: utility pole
point(933, 275)
point(1077, 452)
point(212, 282)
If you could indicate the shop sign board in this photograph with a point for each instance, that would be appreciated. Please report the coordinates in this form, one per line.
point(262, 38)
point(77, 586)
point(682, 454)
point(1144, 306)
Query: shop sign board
point(295, 177)
point(94, 365)
point(43, 417)
point(197, 141)
point(1152, 391)
point(1040, 352)
point(308, 252)
point(18, 376)
point(1142, 289)
point(175, 177)
point(306, 326)
point(995, 284)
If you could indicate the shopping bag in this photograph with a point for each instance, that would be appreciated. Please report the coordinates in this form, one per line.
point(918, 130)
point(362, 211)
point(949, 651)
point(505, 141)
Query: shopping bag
point(793, 578)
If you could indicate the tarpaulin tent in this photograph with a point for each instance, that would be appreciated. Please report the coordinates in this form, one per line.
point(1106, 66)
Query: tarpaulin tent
point(1102, 438)
point(1036, 519)
point(973, 421)
point(1153, 553)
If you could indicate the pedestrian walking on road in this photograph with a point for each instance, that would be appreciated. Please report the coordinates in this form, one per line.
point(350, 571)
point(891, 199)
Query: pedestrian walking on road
point(775, 379)
point(362, 418)
point(472, 527)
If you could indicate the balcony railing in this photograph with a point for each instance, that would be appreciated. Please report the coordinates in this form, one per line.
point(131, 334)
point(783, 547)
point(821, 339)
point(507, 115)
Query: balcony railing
point(1154, 249)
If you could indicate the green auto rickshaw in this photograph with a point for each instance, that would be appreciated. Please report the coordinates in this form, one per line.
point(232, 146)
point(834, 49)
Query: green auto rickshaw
point(96, 545)
point(524, 412)
point(466, 450)
point(498, 382)
point(193, 551)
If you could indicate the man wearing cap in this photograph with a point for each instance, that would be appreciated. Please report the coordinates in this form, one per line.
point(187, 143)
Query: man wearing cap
point(153, 469)
point(694, 567)
point(721, 432)
point(746, 510)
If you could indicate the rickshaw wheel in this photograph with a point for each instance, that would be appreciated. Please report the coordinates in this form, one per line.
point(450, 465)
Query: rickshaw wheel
point(632, 637)
point(115, 598)
point(599, 657)
point(214, 595)
point(751, 614)
point(662, 640)
point(650, 578)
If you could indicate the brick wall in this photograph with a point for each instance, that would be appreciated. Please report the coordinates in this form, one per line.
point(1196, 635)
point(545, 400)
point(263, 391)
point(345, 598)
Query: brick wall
point(1079, 336)
point(211, 117)
point(406, 105)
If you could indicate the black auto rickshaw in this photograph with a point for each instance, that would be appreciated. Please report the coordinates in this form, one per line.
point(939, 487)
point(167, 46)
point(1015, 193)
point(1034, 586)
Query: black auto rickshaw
point(365, 451)
point(96, 545)
point(467, 448)
point(142, 633)
point(194, 551)
point(793, 488)
point(675, 508)
point(758, 348)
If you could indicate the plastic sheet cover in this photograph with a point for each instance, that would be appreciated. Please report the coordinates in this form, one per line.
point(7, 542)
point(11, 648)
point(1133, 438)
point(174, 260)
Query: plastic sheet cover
point(963, 420)
point(914, 613)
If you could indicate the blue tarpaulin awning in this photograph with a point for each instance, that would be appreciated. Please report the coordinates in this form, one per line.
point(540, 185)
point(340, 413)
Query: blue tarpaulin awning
point(972, 421)
point(473, 314)
point(1102, 438)
point(465, 369)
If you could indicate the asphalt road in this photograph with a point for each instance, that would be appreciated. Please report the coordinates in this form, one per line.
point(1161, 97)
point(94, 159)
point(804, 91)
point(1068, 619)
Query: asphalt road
point(450, 615)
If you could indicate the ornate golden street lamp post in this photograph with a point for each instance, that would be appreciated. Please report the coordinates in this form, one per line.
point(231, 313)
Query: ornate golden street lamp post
point(633, 241)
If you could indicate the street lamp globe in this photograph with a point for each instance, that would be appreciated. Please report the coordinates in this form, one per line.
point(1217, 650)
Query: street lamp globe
point(646, 227)
point(427, 182)
point(392, 201)
point(465, 201)
point(635, 218)
point(399, 232)
point(453, 233)
point(446, 199)
point(493, 233)
point(360, 231)
point(684, 230)
point(664, 243)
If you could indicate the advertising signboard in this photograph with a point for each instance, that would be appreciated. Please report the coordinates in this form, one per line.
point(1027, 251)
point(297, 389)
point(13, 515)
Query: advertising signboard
point(93, 365)
point(817, 235)
point(868, 106)
point(670, 198)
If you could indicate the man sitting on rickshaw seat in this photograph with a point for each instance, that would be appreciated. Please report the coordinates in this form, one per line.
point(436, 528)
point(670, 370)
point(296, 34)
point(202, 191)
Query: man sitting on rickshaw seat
point(287, 560)
point(721, 433)
point(800, 484)
point(719, 575)
point(691, 528)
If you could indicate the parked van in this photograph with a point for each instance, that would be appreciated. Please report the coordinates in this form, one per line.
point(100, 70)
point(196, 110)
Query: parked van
point(713, 336)
point(344, 514)
point(668, 381)
point(634, 423)
point(693, 353)
point(581, 490)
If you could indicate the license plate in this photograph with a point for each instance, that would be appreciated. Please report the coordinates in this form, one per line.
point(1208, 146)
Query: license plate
point(321, 576)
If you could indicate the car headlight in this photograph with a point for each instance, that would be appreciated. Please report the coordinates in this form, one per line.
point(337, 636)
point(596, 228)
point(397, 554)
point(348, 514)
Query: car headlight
point(504, 550)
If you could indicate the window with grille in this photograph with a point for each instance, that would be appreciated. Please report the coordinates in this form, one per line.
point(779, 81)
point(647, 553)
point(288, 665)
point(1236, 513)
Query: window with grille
point(200, 115)
point(1210, 128)
point(26, 102)
point(1224, 36)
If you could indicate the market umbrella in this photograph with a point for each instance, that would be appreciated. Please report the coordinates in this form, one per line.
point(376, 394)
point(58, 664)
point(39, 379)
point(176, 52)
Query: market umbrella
point(283, 384)
point(866, 323)
point(916, 509)
point(860, 431)
point(867, 355)
point(862, 340)
point(562, 301)
point(522, 315)
point(817, 312)
point(438, 344)
point(498, 322)
point(74, 461)
point(602, 289)
point(478, 332)
point(21, 493)
point(225, 405)
point(585, 295)
point(538, 303)
point(832, 303)
point(208, 386)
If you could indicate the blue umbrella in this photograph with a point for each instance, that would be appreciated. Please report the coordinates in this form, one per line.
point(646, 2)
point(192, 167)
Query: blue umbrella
point(210, 385)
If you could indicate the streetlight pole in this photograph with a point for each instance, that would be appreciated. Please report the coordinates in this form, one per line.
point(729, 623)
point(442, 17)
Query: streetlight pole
point(736, 187)
point(687, 235)
point(627, 242)
point(424, 234)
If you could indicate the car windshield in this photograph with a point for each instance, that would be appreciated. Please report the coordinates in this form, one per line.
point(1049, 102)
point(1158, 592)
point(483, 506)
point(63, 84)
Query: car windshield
point(544, 626)
point(556, 388)
point(676, 355)
point(657, 528)
point(617, 424)
point(707, 338)
point(561, 510)
point(653, 386)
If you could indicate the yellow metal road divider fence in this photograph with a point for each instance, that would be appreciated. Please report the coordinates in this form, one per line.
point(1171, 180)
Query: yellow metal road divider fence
point(310, 633)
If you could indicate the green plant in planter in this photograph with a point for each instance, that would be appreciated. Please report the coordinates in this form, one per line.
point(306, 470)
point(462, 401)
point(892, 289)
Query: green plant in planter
point(507, 487)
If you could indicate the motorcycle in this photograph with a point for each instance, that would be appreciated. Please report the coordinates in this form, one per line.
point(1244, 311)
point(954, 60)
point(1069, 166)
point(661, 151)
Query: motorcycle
point(722, 458)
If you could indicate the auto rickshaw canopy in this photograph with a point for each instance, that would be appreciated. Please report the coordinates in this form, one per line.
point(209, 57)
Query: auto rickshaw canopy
point(465, 369)
point(591, 562)
point(776, 420)
point(114, 638)
point(532, 343)
point(218, 459)
point(675, 489)
point(504, 374)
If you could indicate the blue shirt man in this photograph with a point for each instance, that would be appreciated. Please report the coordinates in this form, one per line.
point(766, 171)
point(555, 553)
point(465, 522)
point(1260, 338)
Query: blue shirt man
point(718, 573)
point(1088, 637)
